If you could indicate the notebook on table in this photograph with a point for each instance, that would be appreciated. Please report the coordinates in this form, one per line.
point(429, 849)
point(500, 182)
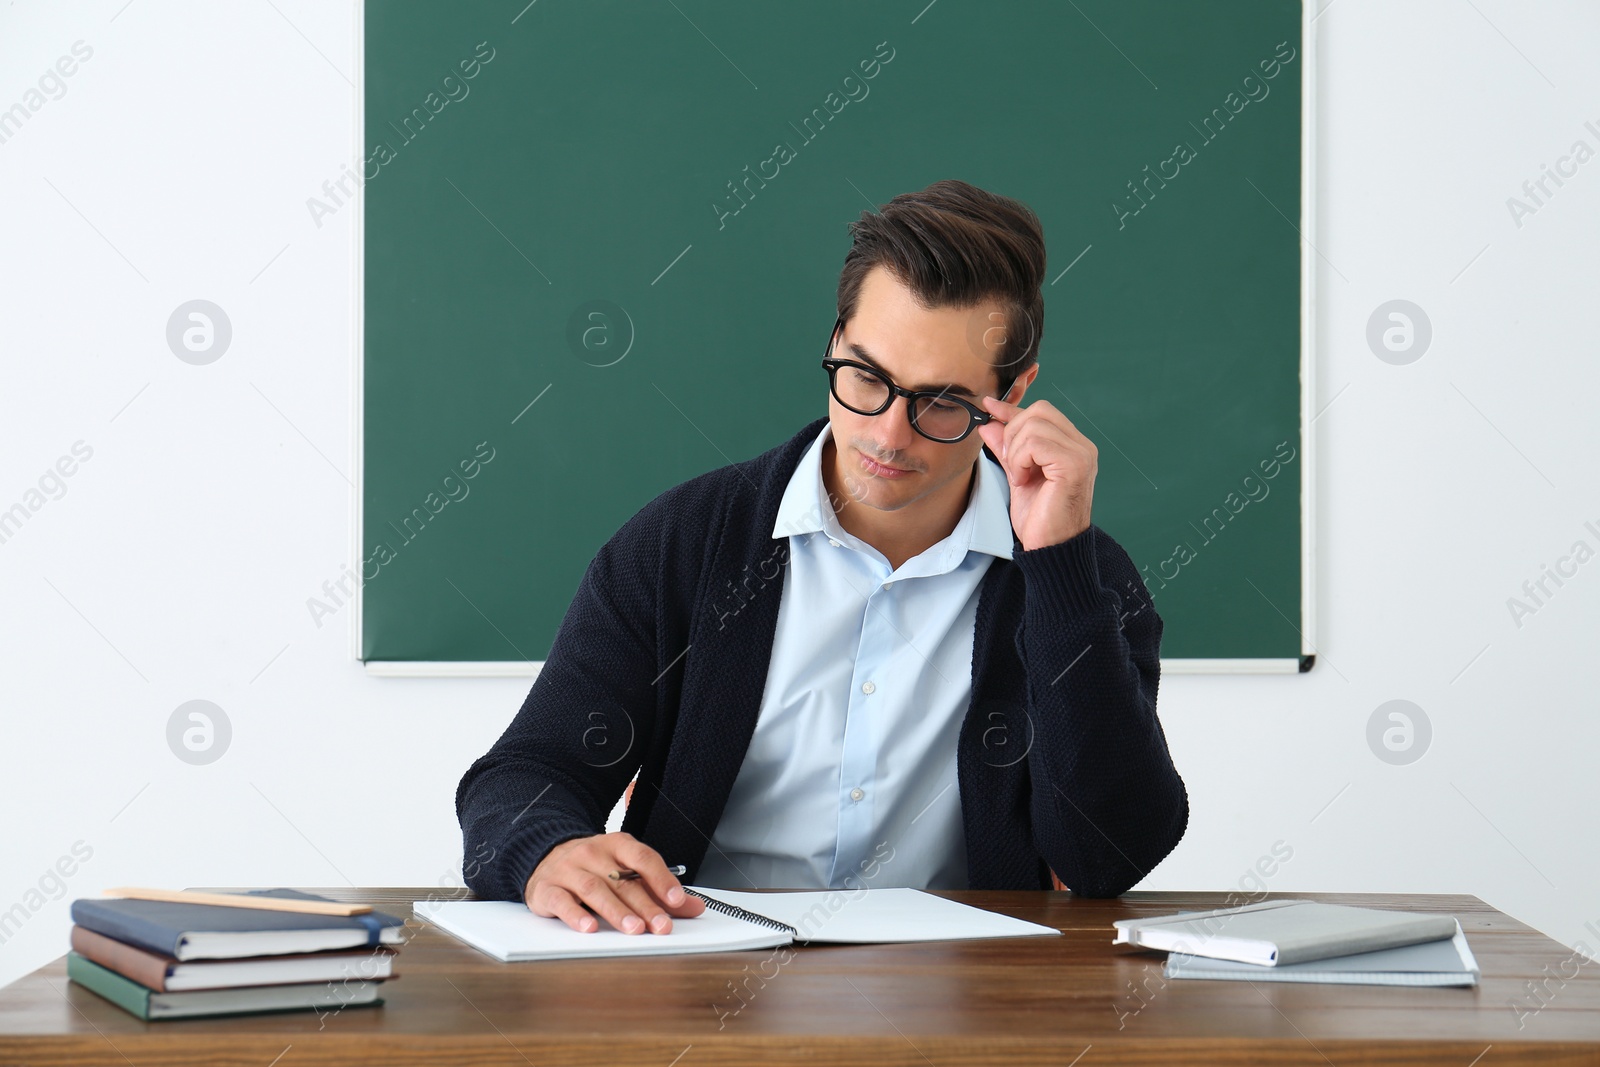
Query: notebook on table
point(1431, 963)
point(732, 921)
point(1279, 932)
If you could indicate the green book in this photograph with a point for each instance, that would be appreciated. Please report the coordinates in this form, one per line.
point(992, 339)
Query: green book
point(152, 1006)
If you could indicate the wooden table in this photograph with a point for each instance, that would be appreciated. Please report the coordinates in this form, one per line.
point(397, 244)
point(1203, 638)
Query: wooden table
point(1058, 1001)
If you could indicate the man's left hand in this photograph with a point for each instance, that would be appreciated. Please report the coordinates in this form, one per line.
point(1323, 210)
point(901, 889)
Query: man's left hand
point(1051, 468)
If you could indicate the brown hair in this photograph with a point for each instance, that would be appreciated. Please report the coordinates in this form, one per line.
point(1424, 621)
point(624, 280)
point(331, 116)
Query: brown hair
point(955, 245)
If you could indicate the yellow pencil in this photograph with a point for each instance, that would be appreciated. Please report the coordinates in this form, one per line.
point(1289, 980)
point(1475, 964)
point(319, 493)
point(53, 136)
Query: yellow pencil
point(239, 900)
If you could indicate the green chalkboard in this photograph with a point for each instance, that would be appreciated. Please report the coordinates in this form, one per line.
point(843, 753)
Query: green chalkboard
point(566, 298)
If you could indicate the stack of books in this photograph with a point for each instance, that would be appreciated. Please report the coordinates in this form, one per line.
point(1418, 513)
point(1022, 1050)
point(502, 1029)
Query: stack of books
point(1308, 941)
point(265, 951)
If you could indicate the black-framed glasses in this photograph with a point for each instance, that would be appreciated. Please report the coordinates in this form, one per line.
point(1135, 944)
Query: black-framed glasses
point(866, 390)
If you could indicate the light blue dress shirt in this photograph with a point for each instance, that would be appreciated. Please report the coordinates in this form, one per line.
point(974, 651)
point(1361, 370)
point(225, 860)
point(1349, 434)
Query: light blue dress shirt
point(852, 765)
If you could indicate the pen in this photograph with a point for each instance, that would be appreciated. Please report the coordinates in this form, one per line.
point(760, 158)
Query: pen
point(626, 875)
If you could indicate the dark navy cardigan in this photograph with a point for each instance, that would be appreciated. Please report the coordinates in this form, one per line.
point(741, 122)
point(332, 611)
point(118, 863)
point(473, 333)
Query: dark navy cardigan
point(661, 660)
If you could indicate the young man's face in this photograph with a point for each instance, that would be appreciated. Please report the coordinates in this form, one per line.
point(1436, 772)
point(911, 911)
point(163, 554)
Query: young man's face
point(880, 460)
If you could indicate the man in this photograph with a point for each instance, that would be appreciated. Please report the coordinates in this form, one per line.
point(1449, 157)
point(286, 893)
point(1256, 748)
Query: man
point(893, 650)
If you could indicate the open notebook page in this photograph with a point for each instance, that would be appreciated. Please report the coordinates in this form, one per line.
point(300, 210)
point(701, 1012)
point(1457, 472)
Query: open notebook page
point(508, 931)
point(876, 915)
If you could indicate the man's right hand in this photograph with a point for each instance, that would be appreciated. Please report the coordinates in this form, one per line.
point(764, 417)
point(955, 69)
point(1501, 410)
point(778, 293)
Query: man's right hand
point(576, 873)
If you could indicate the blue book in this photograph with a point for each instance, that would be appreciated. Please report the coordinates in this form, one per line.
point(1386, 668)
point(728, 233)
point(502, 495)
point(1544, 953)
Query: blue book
point(211, 931)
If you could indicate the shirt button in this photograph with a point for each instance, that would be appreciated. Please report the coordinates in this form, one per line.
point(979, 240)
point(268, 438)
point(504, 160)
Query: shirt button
point(888, 583)
point(856, 794)
point(868, 688)
point(832, 542)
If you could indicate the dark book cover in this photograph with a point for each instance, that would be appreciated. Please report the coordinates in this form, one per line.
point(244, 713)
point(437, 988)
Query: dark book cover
point(163, 926)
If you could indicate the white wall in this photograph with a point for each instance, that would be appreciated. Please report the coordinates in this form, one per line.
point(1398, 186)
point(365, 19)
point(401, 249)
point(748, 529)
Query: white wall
point(177, 165)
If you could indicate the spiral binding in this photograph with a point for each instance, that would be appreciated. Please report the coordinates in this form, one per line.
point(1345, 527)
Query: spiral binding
point(741, 913)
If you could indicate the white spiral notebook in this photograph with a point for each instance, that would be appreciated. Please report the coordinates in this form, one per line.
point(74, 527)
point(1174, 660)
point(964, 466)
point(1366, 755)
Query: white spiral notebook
point(732, 921)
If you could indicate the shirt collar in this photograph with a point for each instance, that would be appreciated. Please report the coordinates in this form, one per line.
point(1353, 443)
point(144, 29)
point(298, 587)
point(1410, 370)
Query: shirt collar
point(984, 527)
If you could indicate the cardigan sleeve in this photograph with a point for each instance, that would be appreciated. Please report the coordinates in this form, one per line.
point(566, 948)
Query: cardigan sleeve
point(1107, 803)
point(562, 763)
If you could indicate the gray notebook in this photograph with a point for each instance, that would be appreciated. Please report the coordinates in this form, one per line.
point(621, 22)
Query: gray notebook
point(1432, 963)
point(1278, 932)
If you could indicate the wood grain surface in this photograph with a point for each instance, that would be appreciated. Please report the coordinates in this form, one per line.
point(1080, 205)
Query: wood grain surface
point(1076, 999)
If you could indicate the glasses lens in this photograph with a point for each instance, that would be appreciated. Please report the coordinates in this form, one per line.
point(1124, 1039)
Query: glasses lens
point(943, 419)
point(860, 390)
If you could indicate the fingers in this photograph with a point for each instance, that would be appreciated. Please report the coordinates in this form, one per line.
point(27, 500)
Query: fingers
point(574, 876)
point(690, 907)
point(596, 891)
point(993, 434)
point(1014, 418)
point(1027, 436)
point(659, 882)
point(551, 900)
point(1003, 411)
point(636, 896)
point(1020, 451)
point(1009, 419)
point(571, 902)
